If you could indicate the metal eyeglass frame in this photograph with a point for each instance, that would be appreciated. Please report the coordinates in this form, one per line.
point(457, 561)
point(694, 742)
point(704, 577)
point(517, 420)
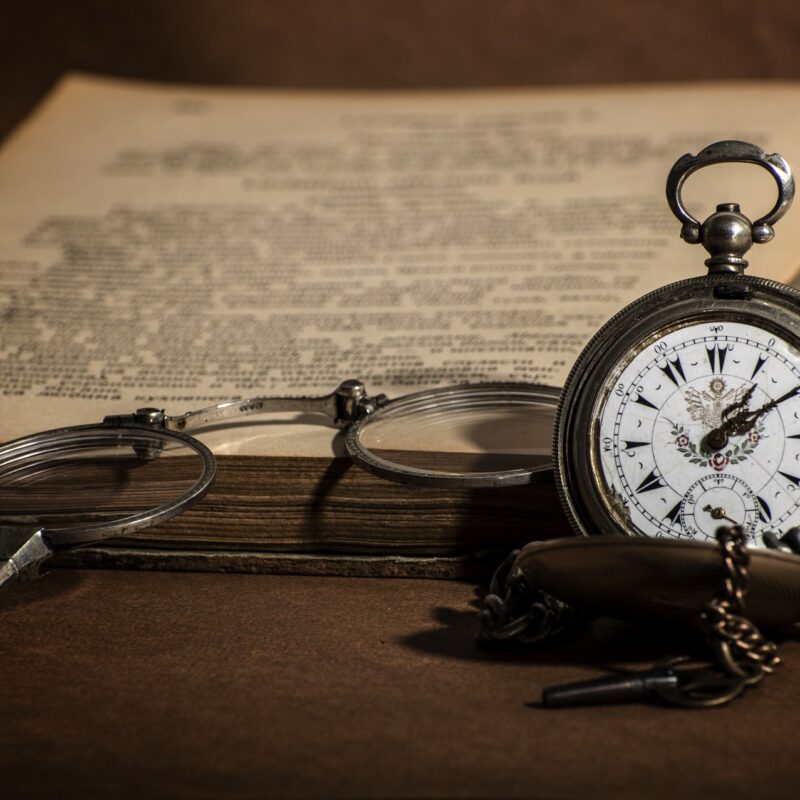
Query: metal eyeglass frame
point(24, 547)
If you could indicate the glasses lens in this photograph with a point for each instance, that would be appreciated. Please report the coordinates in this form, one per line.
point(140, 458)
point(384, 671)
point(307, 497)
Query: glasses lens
point(470, 430)
point(94, 475)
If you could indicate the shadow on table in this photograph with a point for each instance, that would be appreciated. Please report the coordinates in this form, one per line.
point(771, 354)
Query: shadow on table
point(50, 586)
point(603, 643)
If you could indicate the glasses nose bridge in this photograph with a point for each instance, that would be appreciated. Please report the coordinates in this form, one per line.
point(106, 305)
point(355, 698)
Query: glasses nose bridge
point(343, 406)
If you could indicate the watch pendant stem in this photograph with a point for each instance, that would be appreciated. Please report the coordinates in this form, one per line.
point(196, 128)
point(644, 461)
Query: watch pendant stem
point(727, 235)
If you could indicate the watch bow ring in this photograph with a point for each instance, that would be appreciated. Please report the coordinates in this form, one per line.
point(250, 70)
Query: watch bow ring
point(728, 234)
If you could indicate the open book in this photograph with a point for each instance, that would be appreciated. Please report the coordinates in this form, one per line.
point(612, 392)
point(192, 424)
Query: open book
point(177, 247)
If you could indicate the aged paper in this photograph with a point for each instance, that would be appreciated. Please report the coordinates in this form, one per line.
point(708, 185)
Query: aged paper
point(177, 247)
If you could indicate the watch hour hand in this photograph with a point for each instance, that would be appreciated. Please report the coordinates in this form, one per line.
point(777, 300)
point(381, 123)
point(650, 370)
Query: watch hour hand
point(741, 403)
point(734, 420)
point(744, 420)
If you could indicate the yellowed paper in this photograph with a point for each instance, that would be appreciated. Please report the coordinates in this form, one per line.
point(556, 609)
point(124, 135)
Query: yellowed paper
point(177, 247)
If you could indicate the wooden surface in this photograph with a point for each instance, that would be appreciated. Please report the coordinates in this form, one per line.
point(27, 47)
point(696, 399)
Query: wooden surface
point(164, 685)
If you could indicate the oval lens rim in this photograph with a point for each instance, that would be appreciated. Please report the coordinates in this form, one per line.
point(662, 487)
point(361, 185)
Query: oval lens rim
point(124, 525)
point(528, 393)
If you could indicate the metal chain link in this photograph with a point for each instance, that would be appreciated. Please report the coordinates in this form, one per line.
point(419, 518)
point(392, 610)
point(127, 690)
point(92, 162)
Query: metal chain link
point(516, 610)
point(739, 646)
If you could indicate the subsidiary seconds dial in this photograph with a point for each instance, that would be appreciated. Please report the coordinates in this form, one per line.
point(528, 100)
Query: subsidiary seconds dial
point(700, 425)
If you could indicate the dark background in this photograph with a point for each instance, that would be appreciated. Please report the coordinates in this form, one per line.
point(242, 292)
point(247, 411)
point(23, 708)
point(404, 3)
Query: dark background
point(391, 43)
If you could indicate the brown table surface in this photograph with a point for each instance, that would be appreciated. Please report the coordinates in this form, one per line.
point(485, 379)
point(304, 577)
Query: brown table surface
point(131, 684)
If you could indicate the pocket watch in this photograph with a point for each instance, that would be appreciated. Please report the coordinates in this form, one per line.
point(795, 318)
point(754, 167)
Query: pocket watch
point(683, 412)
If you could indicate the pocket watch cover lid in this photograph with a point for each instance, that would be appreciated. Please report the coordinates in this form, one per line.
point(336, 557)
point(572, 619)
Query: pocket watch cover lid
point(658, 579)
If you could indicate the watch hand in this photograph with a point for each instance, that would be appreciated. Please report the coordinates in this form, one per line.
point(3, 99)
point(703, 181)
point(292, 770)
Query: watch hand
point(744, 420)
point(725, 416)
point(719, 513)
point(731, 423)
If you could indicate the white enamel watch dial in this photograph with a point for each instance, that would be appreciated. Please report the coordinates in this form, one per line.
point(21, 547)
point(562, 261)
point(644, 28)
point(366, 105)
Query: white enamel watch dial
point(653, 429)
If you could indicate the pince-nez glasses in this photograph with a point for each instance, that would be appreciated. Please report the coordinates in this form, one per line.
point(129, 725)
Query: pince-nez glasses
point(72, 486)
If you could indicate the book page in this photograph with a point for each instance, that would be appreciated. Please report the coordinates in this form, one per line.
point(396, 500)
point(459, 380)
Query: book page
point(177, 247)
